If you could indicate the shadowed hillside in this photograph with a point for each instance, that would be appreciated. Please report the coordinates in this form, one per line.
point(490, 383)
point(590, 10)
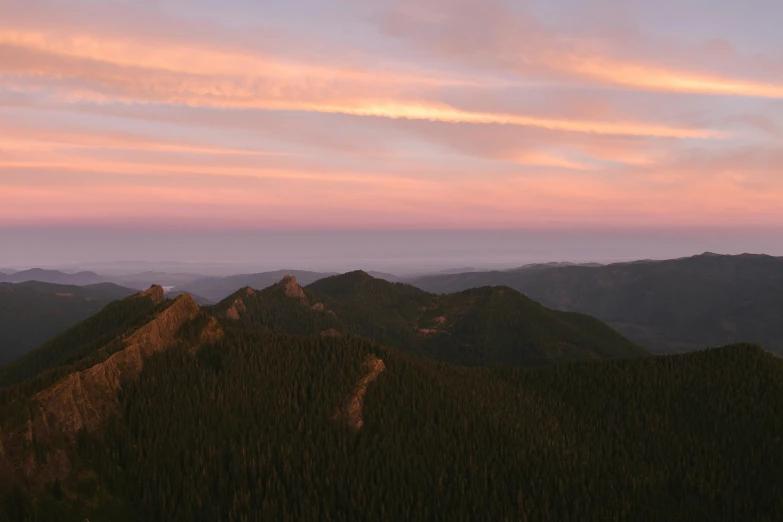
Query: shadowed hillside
point(666, 306)
point(85, 338)
point(33, 312)
point(480, 326)
point(192, 415)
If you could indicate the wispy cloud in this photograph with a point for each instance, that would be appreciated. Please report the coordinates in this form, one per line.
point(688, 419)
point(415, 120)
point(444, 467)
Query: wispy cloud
point(430, 113)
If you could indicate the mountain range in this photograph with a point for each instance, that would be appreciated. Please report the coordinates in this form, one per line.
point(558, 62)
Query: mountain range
point(665, 306)
point(477, 326)
point(52, 276)
point(333, 402)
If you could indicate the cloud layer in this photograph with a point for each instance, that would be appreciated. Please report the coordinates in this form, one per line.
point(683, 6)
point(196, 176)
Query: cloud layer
point(398, 113)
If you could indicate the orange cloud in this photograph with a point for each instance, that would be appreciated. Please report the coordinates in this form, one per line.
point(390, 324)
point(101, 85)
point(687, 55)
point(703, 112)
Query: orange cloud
point(160, 79)
point(495, 37)
point(650, 77)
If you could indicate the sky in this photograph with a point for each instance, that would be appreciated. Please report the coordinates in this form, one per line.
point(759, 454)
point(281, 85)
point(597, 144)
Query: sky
point(617, 118)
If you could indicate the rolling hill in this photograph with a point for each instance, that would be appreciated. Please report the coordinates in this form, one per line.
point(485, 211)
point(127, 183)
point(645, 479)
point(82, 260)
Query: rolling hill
point(159, 410)
point(665, 306)
point(33, 312)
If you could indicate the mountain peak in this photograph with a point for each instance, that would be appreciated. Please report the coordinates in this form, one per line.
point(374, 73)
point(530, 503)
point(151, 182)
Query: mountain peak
point(154, 292)
point(292, 288)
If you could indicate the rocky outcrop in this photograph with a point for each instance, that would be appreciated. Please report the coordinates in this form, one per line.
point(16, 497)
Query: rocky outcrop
point(212, 332)
point(352, 410)
point(292, 288)
point(155, 292)
point(237, 308)
point(84, 399)
point(318, 307)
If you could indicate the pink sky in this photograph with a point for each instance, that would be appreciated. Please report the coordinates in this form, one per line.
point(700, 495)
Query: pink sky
point(390, 114)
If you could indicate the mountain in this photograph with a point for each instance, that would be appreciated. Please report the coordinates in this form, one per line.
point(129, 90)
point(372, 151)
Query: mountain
point(82, 340)
point(198, 299)
point(665, 306)
point(479, 326)
point(555, 264)
point(387, 276)
point(216, 288)
point(34, 312)
point(143, 280)
point(177, 413)
point(53, 276)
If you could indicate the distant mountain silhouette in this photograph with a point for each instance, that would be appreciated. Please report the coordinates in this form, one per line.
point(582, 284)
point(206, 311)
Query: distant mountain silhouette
point(666, 306)
point(142, 280)
point(556, 264)
point(53, 276)
point(387, 276)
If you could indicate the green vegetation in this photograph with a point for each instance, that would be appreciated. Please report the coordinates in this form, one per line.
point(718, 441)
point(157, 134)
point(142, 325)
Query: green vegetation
point(249, 422)
point(78, 347)
point(245, 429)
point(31, 313)
point(665, 306)
point(474, 327)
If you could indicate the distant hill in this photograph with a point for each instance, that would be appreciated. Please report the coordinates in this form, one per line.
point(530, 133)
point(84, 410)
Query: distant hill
point(540, 266)
point(53, 276)
point(387, 276)
point(216, 288)
point(666, 306)
point(33, 312)
point(479, 326)
point(143, 280)
point(198, 299)
point(157, 410)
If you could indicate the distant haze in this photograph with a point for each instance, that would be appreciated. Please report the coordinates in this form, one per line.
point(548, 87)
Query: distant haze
point(216, 252)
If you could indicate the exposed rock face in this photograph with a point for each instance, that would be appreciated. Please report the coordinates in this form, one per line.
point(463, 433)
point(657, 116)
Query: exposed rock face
point(292, 288)
point(212, 332)
point(84, 399)
point(318, 307)
point(352, 408)
point(237, 308)
point(155, 292)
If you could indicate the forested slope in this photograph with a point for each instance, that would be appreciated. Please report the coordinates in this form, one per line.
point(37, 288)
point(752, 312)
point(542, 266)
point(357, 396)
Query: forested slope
point(479, 326)
point(266, 406)
point(249, 428)
point(665, 306)
point(86, 337)
point(33, 312)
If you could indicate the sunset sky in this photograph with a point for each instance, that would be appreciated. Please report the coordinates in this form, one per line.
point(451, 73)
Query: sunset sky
point(391, 114)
